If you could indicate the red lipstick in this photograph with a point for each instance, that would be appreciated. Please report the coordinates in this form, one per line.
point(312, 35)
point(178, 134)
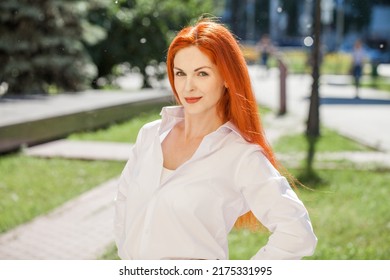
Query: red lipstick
point(192, 100)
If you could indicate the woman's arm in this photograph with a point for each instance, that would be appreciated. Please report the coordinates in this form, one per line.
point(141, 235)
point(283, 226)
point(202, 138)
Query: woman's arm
point(278, 208)
point(120, 202)
point(121, 196)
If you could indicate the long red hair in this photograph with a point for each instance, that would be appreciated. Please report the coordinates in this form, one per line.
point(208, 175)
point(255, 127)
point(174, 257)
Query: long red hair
point(239, 104)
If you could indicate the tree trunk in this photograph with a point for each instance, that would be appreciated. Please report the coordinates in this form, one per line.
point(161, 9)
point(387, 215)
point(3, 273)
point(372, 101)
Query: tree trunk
point(313, 123)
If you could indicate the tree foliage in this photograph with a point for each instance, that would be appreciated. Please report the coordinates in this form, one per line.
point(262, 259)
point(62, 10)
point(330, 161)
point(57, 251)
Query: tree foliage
point(58, 45)
point(40, 47)
point(139, 31)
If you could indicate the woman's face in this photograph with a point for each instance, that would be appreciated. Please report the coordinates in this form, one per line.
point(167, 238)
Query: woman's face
point(197, 81)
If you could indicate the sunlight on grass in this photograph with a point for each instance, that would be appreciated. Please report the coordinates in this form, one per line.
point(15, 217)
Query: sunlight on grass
point(128, 131)
point(33, 186)
point(380, 83)
point(350, 214)
point(243, 244)
point(330, 141)
point(297, 61)
point(336, 64)
point(122, 132)
point(332, 63)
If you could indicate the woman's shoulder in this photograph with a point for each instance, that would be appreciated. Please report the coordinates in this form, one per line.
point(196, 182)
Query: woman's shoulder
point(244, 152)
point(149, 128)
point(251, 159)
point(237, 140)
point(151, 125)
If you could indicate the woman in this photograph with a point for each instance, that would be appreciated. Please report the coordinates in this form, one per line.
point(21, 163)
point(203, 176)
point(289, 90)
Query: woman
point(206, 163)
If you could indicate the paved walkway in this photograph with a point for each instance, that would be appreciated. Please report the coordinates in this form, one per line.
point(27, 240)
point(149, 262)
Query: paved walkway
point(366, 120)
point(86, 150)
point(82, 228)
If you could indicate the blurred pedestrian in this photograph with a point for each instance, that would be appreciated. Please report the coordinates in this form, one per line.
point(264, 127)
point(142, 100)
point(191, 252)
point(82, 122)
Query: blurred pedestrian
point(206, 165)
point(265, 49)
point(358, 58)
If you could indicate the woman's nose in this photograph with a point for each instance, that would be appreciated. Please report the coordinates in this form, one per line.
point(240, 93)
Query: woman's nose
point(189, 84)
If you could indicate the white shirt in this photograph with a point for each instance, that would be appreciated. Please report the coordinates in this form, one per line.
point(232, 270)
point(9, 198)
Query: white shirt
point(189, 213)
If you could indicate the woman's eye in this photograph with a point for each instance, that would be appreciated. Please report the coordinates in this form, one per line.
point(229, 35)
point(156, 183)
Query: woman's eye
point(180, 73)
point(203, 74)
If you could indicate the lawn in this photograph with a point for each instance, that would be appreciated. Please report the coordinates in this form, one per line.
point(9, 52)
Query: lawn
point(350, 215)
point(121, 132)
point(330, 141)
point(33, 186)
point(380, 83)
point(127, 131)
point(332, 64)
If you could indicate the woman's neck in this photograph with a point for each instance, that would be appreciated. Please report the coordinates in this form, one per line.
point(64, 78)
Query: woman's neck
point(197, 126)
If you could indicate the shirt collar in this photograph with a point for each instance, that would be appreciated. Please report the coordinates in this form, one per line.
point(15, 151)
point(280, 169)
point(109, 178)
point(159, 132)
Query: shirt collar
point(171, 115)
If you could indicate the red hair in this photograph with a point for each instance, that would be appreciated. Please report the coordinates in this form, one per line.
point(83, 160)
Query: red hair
point(238, 106)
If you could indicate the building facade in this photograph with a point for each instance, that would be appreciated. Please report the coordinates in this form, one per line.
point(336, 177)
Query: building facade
point(289, 22)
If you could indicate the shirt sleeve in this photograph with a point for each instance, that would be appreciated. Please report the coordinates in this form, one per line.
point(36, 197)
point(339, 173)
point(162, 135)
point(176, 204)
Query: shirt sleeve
point(277, 207)
point(121, 195)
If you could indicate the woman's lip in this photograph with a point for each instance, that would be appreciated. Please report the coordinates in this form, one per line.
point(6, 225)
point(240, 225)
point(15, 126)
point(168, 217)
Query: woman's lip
point(192, 100)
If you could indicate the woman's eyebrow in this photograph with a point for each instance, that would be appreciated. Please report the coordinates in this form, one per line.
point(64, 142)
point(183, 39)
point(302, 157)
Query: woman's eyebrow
point(197, 69)
point(200, 68)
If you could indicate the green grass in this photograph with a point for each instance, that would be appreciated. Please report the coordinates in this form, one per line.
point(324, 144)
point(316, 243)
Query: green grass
point(336, 64)
point(122, 132)
point(330, 141)
point(32, 186)
point(333, 64)
point(127, 131)
point(296, 61)
point(380, 83)
point(243, 245)
point(351, 214)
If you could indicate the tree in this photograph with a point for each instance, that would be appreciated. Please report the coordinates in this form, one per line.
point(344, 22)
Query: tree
point(139, 32)
point(313, 122)
point(133, 36)
point(40, 46)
